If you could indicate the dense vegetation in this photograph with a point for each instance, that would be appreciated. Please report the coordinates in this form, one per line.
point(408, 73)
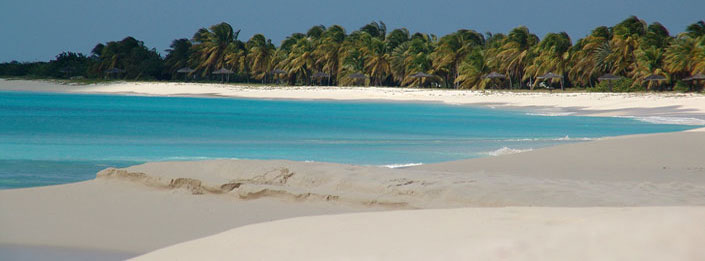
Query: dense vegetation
point(632, 49)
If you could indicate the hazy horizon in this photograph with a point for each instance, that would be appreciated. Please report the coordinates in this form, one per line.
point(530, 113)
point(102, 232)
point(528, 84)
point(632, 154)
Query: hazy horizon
point(40, 30)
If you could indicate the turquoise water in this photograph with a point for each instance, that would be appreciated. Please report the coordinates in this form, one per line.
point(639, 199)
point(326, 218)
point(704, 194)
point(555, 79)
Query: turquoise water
point(59, 138)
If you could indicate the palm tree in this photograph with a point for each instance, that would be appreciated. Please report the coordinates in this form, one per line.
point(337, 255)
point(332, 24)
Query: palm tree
point(327, 53)
point(649, 62)
point(516, 53)
point(681, 56)
point(178, 56)
point(625, 42)
point(417, 57)
point(259, 56)
point(553, 56)
point(213, 46)
point(376, 29)
point(452, 50)
point(471, 70)
point(300, 61)
point(696, 30)
point(589, 57)
point(377, 60)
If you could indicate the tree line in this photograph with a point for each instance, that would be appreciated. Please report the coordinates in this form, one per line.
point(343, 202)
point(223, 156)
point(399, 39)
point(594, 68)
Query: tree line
point(632, 51)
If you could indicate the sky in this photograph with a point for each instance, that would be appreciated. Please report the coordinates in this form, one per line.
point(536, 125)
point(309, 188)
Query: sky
point(38, 30)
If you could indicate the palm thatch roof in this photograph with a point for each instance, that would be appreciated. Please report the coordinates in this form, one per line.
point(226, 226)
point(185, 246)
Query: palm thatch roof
point(114, 70)
point(695, 77)
point(320, 75)
point(357, 76)
point(278, 71)
point(420, 75)
point(655, 77)
point(223, 71)
point(550, 75)
point(609, 77)
point(185, 70)
point(494, 75)
point(67, 70)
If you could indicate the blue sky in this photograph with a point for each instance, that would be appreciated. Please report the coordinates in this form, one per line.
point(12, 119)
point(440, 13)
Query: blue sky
point(35, 30)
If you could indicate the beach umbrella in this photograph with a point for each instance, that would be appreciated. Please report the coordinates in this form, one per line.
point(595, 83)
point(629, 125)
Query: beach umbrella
point(222, 73)
point(609, 78)
point(421, 75)
point(357, 76)
point(552, 76)
point(695, 77)
point(321, 75)
point(495, 75)
point(115, 70)
point(276, 73)
point(654, 78)
point(185, 71)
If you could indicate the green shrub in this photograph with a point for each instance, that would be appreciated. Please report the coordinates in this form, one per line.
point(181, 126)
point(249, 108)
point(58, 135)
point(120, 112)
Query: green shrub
point(621, 85)
point(681, 86)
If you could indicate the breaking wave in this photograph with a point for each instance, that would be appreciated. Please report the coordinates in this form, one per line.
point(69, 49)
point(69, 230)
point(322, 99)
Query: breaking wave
point(506, 151)
point(667, 120)
point(403, 165)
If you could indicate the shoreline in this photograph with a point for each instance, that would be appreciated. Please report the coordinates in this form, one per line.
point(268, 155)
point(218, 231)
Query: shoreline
point(152, 206)
point(658, 108)
point(145, 207)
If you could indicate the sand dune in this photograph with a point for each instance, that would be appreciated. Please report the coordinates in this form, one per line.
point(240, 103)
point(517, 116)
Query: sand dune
point(651, 233)
point(153, 205)
point(624, 171)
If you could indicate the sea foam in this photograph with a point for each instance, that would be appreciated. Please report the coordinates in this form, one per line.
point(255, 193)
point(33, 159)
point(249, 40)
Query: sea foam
point(506, 151)
point(403, 165)
point(667, 120)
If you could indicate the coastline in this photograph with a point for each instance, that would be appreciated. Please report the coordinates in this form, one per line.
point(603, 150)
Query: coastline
point(675, 108)
point(155, 205)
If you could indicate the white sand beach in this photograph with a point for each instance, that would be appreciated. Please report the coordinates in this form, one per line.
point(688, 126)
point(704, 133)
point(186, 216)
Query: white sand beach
point(537, 233)
point(639, 197)
point(655, 107)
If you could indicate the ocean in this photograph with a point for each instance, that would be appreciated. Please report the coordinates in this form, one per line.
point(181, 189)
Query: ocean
point(49, 138)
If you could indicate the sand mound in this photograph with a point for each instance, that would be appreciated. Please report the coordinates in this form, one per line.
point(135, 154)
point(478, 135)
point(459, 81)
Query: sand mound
point(651, 233)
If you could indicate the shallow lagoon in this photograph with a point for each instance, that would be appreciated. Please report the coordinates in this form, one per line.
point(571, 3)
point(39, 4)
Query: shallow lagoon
point(50, 138)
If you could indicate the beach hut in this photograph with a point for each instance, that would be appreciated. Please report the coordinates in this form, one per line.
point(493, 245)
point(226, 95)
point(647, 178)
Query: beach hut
point(223, 73)
point(186, 71)
point(421, 75)
point(320, 75)
point(551, 76)
point(495, 75)
point(609, 78)
point(357, 77)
